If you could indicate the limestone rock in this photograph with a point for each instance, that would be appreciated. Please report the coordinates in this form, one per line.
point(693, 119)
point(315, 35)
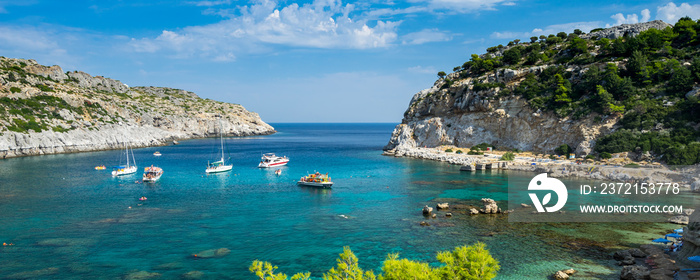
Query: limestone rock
point(569, 271)
point(681, 220)
point(636, 272)
point(427, 210)
point(424, 223)
point(627, 29)
point(473, 211)
point(88, 113)
point(490, 206)
point(560, 275)
point(443, 206)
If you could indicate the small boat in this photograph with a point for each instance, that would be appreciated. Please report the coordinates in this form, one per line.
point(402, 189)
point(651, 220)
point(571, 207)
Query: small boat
point(175, 142)
point(128, 168)
point(271, 160)
point(152, 174)
point(278, 171)
point(100, 167)
point(316, 180)
point(157, 153)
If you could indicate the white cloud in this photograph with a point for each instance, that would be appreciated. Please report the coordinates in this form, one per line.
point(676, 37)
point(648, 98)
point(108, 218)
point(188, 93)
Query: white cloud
point(425, 36)
point(422, 70)
point(621, 19)
point(646, 15)
point(206, 3)
point(321, 24)
point(466, 6)
point(46, 45)
point(671, 13)
point(584, 26)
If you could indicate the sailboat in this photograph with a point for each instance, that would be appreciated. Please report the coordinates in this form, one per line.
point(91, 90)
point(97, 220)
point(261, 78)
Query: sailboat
point(219, 166)
point(128, 168)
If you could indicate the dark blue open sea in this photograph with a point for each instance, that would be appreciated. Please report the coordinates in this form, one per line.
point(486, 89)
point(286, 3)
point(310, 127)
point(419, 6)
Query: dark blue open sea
point(69, 221)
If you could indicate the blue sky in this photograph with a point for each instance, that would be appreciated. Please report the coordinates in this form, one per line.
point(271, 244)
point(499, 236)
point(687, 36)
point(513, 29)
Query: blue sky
point(295, 61)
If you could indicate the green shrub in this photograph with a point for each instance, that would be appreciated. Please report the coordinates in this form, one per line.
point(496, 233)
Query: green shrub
point(590, 157)
point(463, 263)
point(605, 155)
point(474, 152)
point(44, 88)
point(15, 89)
point(448, 151)
point(563, 150)
point(458, 151)
point(632, 165)
point(508, 156)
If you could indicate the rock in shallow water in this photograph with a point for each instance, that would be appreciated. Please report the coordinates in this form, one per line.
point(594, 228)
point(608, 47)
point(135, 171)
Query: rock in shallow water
point(212, 253)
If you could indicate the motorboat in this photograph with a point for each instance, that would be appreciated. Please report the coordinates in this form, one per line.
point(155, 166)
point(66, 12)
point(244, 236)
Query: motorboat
point(316, 180)
point(100, 167)
point(271, 160)
point(157, 153)
point(152, 173)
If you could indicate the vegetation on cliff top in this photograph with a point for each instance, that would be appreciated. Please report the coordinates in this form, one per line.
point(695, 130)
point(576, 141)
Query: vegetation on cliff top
point(32, 101)
point(644, 81)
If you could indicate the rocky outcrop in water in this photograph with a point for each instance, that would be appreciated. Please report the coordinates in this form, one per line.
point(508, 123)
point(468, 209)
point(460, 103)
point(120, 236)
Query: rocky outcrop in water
point(47, 111)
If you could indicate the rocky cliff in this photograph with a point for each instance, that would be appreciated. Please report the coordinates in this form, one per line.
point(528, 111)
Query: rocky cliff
point(457, 115)
point(566, 89)
point(45, 111)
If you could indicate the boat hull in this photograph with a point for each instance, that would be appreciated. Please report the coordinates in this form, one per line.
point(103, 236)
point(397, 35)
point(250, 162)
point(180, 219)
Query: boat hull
point(325, 185)
point(152, 179)
point(273, 164)
point(219, 169)
point(125, 171)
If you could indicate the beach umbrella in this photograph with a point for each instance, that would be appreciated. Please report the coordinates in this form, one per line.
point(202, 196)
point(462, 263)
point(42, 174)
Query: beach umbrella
point(661, 240)
point(673, 235)
point(680, 230)
point(694, 258)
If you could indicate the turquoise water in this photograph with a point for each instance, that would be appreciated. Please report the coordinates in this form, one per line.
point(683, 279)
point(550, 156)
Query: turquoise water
point(69, 221)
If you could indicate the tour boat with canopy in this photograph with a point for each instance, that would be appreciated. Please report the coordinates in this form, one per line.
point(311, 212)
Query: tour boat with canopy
point(152, 174)
point(271, 160)
point(316, 180)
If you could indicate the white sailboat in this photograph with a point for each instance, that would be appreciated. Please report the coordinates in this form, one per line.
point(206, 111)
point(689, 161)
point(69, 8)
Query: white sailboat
point(128, 168)
point(219, 166)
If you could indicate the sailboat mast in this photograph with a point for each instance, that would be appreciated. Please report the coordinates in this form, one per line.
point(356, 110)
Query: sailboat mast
point(126, 146)
point(222, 141)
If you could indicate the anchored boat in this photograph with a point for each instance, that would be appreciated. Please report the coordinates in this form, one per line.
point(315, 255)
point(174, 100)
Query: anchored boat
point(271, 160)
point(219, 166)
point(316, 180)
point(128, 168)
point(152, 174)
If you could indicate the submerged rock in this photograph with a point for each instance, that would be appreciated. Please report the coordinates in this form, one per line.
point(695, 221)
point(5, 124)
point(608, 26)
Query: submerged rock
point(636, 272)
point(212, 253)
point(196, 274)
point(490, 206)
point(427, 210)
point(139, 275)
point(34, 273)
point(443, 206)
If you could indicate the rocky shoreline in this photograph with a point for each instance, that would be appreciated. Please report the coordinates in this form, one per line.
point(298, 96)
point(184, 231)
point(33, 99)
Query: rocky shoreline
point(109, 137)
point(688, 178)
point(46, 111)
